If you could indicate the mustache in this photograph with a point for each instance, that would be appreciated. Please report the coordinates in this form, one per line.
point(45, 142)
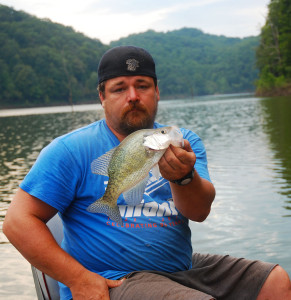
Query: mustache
point(134, 106)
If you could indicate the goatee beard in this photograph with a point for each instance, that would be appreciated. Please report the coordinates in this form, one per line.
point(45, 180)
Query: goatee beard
point(136, 117)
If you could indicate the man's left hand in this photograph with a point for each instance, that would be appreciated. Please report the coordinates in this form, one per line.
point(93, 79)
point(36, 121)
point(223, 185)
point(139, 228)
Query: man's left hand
point(177, 162)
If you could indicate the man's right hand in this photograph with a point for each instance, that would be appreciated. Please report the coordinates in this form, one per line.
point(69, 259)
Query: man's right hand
point(25, 227)
point(92, 286)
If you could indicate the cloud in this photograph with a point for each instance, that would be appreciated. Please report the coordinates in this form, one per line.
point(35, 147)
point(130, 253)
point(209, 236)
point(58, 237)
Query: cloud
point(109, 20)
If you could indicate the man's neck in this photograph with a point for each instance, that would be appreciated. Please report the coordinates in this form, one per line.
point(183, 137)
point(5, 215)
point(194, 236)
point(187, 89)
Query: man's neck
point(119, 136)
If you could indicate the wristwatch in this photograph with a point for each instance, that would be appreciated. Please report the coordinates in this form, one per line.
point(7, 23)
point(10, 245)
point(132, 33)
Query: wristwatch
point(186, 179)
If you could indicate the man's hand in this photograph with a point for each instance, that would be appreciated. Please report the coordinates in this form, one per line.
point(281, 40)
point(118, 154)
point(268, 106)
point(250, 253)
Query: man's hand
point(92, 286)
point(194, 199)
point(39, 247)
point(177, 162)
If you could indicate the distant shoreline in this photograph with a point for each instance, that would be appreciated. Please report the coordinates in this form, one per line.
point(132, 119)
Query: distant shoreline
point(21, 111)
point(34, 105)
point(275, 91)
point(48, 109)
point(97, 102)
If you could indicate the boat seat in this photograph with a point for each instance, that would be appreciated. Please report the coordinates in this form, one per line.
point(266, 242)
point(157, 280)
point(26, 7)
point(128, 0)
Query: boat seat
point(46, 287)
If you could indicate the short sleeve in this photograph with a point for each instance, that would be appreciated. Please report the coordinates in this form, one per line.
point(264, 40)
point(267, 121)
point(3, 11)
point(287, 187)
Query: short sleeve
point(54, 176)
point(200, 152)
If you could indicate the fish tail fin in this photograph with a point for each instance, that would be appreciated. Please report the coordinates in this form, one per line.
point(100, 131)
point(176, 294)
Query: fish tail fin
point(100, 206)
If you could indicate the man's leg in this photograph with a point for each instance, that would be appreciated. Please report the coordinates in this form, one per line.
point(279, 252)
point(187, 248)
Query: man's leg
point(277, 286)
point(149, 286)
point(225, 277)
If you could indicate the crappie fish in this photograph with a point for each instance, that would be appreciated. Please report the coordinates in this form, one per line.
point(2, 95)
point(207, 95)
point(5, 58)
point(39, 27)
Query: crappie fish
point(128, 166)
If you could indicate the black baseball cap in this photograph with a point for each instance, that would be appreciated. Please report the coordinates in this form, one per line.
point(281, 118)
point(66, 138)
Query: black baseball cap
point(126, 61)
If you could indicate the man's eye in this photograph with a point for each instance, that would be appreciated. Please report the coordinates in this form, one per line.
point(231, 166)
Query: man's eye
point(143, 87)
point(119, 90)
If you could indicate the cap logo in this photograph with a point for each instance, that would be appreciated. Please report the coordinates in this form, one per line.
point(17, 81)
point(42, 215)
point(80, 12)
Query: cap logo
point(132, 64)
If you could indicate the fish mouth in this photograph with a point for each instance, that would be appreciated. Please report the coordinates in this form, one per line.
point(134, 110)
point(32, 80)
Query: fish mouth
point(162, 139)
point(149, 149)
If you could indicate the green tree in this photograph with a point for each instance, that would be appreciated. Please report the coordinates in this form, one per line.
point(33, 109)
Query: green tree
point(43, 63)
point(26, 83)
point(273, 54)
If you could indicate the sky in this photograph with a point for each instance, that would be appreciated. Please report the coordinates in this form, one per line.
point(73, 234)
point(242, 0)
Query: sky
point(109, 20)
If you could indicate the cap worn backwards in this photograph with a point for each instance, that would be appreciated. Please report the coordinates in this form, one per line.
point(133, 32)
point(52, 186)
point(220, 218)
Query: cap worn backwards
point(126, 61)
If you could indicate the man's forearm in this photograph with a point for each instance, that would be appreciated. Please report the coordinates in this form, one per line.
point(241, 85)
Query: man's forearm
point(25, 227)
point(194, 200)
point(35, 242)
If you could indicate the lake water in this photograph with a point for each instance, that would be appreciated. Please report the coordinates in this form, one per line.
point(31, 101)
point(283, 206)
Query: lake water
point(248, 141)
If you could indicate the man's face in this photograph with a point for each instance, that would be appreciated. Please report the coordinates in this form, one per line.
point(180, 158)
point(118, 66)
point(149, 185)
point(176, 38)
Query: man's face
point(130, 103)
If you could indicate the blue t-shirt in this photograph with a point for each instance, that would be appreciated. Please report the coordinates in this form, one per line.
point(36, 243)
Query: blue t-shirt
point(154, 235)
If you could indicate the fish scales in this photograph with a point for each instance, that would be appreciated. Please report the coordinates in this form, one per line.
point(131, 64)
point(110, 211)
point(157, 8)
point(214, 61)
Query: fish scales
point(129, 167)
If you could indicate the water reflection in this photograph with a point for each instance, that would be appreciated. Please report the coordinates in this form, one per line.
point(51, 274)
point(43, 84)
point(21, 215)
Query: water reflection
point(246, 218)
point(227, 126)
point(248, 142)
point(249, 137)
point(21, 140)
point(277, 112)
point(23, 137)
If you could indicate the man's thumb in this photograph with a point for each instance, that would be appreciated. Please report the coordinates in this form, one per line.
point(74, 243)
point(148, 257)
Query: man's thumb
point(114, 283)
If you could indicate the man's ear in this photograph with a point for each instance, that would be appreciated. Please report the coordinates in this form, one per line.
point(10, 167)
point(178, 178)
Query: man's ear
point(158, 93)
point(101, 98)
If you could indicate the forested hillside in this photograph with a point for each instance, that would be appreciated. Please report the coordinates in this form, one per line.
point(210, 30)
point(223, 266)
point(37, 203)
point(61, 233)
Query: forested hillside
point(44, 63)
point(191, 63)
point(274, 51)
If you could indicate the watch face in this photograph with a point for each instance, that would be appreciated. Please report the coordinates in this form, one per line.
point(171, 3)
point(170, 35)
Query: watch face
point(186, 181)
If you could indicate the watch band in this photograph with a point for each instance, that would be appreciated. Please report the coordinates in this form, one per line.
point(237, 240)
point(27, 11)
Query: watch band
point(186, 179)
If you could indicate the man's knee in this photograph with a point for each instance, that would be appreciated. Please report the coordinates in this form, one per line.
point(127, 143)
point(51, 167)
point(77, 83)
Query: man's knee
point(276, 286)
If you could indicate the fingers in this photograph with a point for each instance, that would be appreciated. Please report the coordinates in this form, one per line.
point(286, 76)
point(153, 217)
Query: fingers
point(93, 286)
point(180, 157)
point(177, 162)
point(114, 283)
point(187, 146)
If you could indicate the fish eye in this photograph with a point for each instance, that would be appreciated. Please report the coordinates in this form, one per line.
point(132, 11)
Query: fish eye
point(163, 131)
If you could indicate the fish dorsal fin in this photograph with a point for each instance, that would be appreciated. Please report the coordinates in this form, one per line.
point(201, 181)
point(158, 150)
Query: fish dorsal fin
point(134, 195)
point(100, 165)
point(156, 171)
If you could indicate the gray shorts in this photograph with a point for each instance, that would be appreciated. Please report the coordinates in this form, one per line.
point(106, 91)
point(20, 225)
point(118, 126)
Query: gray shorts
point(212, 277)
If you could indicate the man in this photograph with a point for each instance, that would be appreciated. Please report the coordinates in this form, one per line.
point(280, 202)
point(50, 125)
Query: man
point(152, 249)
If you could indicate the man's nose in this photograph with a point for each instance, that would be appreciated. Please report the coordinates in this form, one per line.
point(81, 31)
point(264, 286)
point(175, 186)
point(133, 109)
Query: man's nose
point(133, 94)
